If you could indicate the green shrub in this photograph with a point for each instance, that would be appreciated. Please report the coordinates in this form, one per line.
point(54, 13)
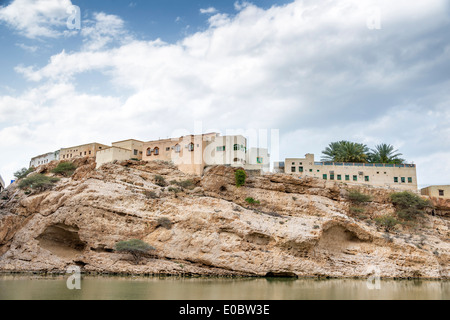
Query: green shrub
point(408, 205)
point(357, 210)
point(240, 177)
point(38, 182)
point(66, 169)
point(186, 184)
point(22, 173)
point(252, 201)
point(387, 221)
point(174, 190)
point(160, 181)
point(137, 248)
point(150, 195)
point(358, 197)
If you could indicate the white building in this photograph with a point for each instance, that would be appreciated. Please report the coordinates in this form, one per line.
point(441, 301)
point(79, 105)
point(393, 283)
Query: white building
point(258, 158)
point(44, 159)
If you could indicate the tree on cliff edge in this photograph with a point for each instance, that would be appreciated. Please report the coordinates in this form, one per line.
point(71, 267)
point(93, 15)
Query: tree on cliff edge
point(137, 248)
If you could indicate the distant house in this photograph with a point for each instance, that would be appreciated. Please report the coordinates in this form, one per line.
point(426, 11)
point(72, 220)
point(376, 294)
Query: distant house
point(2, 184)
point(86, 150)
point(121, 150)
point(44, 159)
point(396, 176)
point(437, 191)
point(193, 153)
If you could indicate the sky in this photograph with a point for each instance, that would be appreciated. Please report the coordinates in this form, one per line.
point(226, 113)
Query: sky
point(292, 75)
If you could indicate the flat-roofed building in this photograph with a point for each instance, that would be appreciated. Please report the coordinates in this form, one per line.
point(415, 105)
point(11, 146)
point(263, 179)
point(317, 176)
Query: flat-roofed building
point(396, 176)
point(2, 184)
point(258, 158)
point(135, 146)
point(186, 152)
point(193, 153)
point(437, 191)
point(44, 159)
point(85, 150)
point(120, 151)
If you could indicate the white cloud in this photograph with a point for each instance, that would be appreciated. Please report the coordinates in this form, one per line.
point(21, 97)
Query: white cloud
point(25, 47)
point(313, 70)
point(103, 30)
point(36, 18)
point(209, 10)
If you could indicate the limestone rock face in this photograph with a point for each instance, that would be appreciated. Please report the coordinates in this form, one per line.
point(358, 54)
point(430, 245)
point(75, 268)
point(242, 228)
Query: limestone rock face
point(302, 227)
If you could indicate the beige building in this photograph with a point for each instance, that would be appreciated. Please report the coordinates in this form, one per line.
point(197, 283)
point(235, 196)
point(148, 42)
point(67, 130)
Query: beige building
point(86, 150)
point(437, 191)
point(120, 151)
point(193, 153)
point(402, 176)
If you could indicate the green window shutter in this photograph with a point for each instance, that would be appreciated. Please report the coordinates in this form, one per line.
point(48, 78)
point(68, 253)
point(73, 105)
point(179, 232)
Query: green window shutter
point(325, 177)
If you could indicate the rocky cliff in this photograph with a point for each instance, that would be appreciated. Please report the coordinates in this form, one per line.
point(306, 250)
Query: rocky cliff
point(301, 227)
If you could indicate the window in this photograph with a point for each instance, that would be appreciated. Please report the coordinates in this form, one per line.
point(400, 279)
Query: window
point(135, 152)
point(300, 169)
point(403, 180)
point(339, 177)
point(156, 151)
point(293, 169)
point(85, 153)
point(441, 193)
point(221, 149)
point(64, 156)
point(293, 163)
point(366, 178)
point(325, 177)
point(168, 149)
point(310, 170)
point(191, 147)
point(149, 152)
point(259, 160)
point(395, 179)
point(90, 152)
point(236, 147)
point(410, 180)
point(81, 154)
point(355, 178)
point(347, 177)
point(331, 176)
point(177, 148)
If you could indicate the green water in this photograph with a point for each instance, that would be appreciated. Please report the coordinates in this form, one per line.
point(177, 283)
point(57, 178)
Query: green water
point(127, 288)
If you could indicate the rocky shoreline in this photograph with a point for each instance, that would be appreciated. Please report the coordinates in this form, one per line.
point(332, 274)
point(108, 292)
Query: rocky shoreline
point(299, 228)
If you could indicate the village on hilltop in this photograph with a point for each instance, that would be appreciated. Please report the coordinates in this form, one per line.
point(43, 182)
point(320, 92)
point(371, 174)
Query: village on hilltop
point(193, 153)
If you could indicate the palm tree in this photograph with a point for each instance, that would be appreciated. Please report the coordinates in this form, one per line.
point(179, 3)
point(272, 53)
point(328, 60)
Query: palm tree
point(346, 151)
point(385, 153)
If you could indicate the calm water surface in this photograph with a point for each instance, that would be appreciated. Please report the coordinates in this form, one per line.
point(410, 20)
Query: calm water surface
point(14, 287)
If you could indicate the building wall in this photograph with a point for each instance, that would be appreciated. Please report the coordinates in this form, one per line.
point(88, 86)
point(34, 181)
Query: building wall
point(193, 153)
point(111, 154)
point(185, 152)
point(135, 146)
point(437, 191)
point(44, 159)
point(87, 150)
point(2, 184)
point(227, 150)
point(393, 176)
point(258, 158)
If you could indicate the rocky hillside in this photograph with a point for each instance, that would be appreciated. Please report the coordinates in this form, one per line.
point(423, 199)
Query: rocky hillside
point(205, 226)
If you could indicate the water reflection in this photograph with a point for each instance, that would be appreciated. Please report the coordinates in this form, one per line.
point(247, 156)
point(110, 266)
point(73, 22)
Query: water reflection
point(13, 287)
